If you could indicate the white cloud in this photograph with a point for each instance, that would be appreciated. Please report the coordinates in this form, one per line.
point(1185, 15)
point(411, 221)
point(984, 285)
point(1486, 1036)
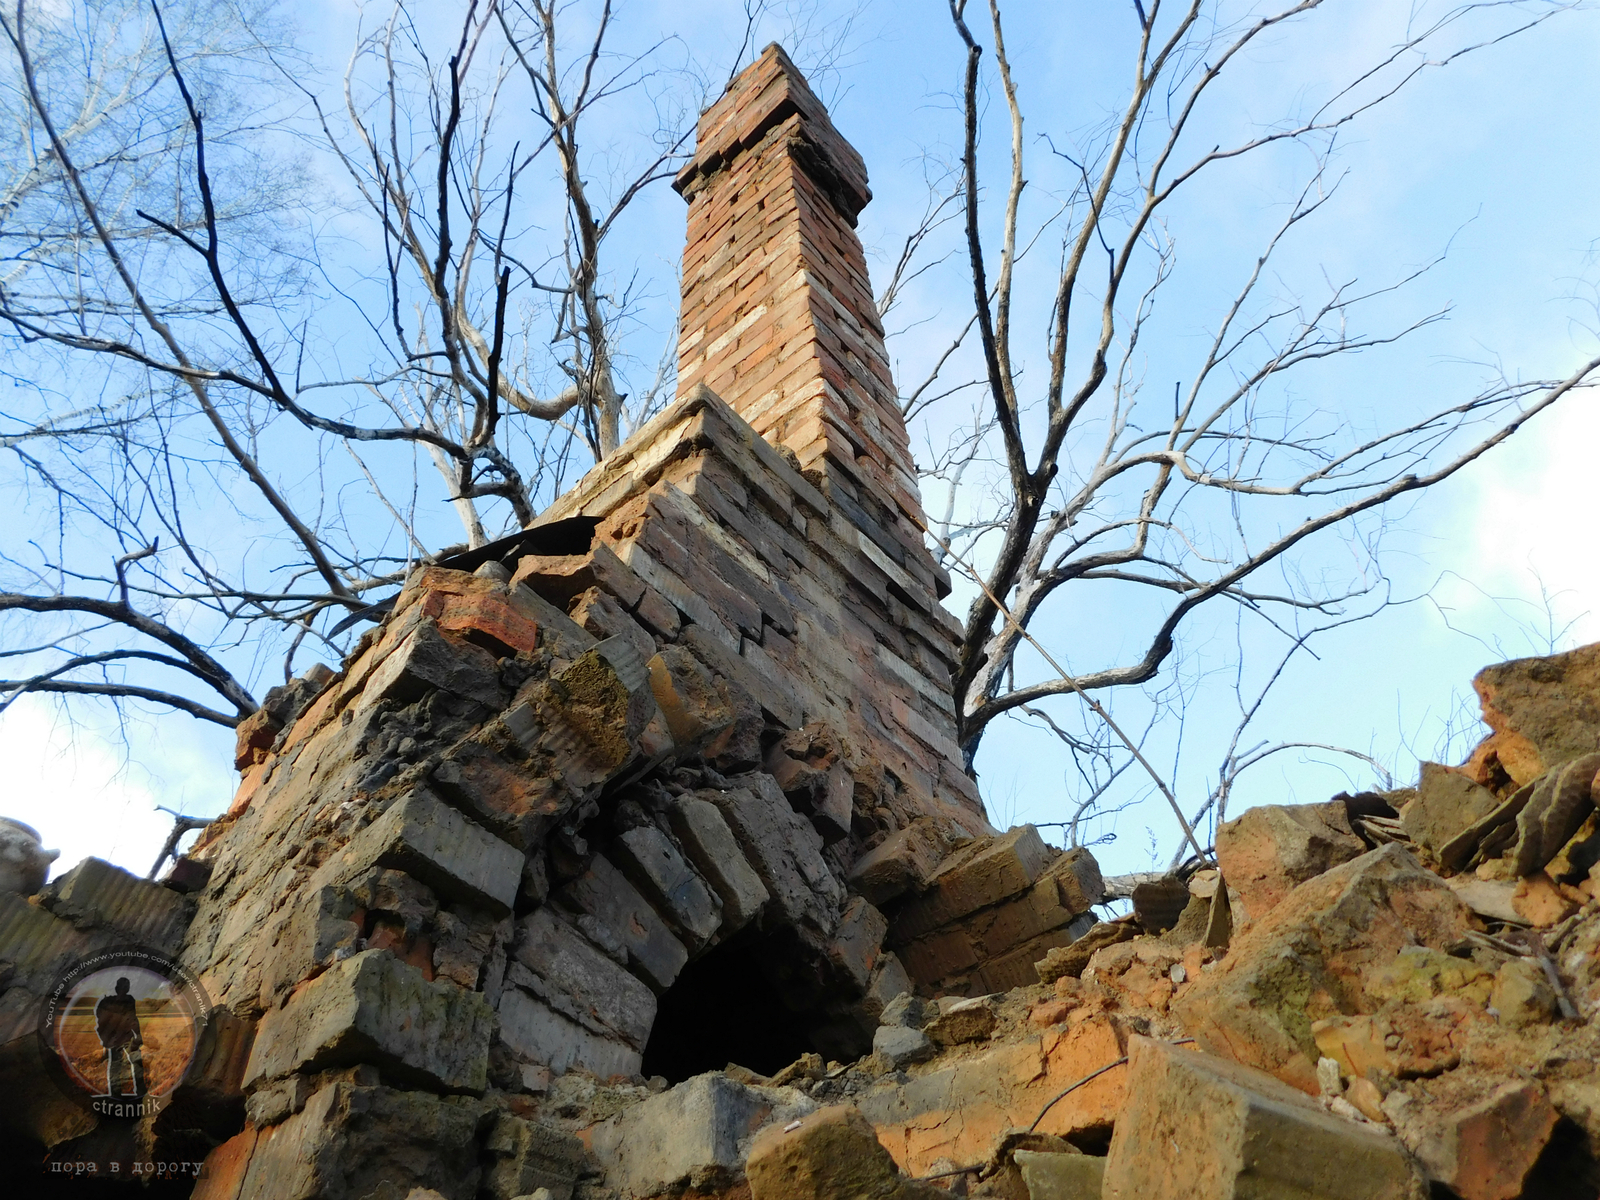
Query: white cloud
point(74, 785)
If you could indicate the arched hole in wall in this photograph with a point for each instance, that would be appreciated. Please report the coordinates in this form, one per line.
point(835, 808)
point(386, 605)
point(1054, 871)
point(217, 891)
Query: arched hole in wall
point(723, 1008)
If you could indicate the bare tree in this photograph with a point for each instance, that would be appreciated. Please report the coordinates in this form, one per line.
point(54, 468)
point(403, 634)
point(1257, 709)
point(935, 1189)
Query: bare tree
point(1192, 496)
point(277, 381)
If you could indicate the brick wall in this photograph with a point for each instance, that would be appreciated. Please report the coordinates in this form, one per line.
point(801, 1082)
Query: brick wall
point(778, 315)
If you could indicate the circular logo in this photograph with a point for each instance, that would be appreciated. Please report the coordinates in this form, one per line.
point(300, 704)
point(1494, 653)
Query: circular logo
point(121, 1029)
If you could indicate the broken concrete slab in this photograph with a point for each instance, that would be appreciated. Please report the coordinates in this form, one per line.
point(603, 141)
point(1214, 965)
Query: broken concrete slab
point(1273, 848)
point(1482, 1149)
point(981, 873)
point(1198, 1127)
point(525, 1156)
point(1060, 1176)
point(96, 895)
point(373, 1008)
point(1543, 711)
point(351, 1141)
point(903, 861)
point(831, 1154)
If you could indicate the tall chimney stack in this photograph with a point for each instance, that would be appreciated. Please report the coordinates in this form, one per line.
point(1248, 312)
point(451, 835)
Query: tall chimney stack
point(778, 314)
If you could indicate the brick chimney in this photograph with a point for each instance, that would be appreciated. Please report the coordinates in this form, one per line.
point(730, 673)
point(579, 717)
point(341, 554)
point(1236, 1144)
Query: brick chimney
point(778, 314)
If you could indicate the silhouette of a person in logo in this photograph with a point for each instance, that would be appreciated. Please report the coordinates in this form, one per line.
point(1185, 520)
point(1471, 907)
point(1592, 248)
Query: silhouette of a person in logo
point(116, 1021)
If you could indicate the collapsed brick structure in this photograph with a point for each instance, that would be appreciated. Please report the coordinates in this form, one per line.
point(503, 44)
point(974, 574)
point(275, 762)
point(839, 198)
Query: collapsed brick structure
point(632, 855)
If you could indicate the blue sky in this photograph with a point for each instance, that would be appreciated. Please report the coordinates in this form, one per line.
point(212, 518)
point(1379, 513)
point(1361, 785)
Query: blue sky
point(1493, 159)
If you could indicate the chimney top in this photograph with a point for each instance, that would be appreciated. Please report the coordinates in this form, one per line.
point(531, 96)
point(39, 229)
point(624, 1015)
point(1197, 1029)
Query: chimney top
point(763, 96)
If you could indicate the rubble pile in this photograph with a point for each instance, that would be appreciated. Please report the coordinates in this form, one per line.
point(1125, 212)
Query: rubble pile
point(633, 855)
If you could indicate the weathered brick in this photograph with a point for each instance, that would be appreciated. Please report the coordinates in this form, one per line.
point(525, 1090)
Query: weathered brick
point(580, 982)
point(604, 893)
point(711, 846)
point(373, 1008)
point(1204, 1128)
point(425, 837)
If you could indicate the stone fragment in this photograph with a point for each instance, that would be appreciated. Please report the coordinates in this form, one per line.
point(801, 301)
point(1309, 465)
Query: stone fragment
point(373, 1008)
point(704, 711)
point(905, 1009)
point(1417, 974)
point(560, 578)
point(96, 895)
point(1309, 958)
point(1271, 849)
point(1159, 904)
point(575, 979)
point(1539, 900)
point(1197, 1127)
point(1403, 1041)
point(1522, 994)
point(461, 944)
point(1060, 1176)
point(426, 838)
point(537, 1032)
point(483, 776)
point(903, 861)
point(600, 614)
point(964, 1021)
point(254, 737)
point(24, 862)
point(1070, 960)
point(902, 1045)
point(832, 1154)
point(605, 894)
point(857, 942)
point(352, 1141)
point(1447, 802)
point(1559, 805)
point(711, 846)
point(889, 981)
point(1490, 898)
point(1543, 711)
point(648, 856)
point(1482, 1150)
point(524, 1156)
point(696, 1132)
